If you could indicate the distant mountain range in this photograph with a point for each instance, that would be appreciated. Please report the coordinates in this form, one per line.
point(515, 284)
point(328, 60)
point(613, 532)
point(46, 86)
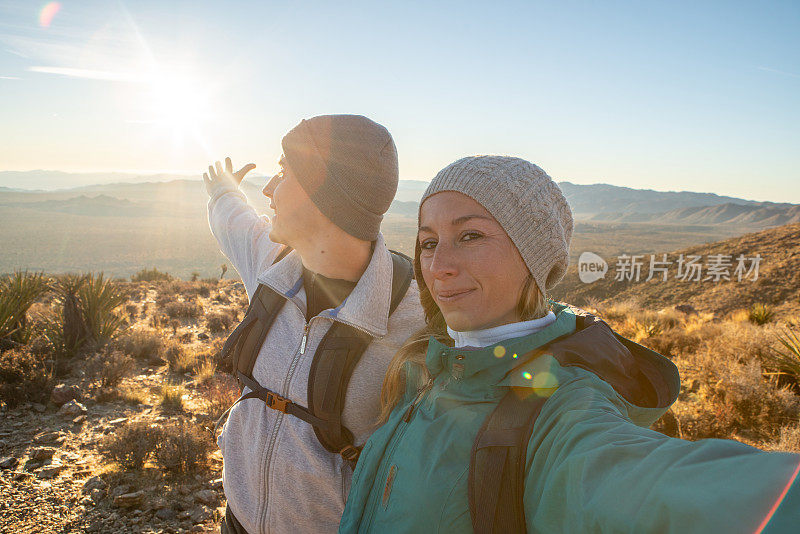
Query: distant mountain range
point(589, 200)
point(125, 226)
point(592, 203)
point(53, 180)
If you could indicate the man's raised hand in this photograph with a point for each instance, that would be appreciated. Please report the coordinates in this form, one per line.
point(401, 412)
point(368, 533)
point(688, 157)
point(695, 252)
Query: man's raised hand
point(225, 178)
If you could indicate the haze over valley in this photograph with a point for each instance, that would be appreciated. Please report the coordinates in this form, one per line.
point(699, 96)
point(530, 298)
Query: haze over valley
point(124, 226)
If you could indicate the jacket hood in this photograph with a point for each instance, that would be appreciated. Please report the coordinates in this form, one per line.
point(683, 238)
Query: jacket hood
point(648, 382)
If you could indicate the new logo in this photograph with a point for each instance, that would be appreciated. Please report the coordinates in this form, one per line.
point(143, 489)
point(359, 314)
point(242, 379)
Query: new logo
point(591, 267)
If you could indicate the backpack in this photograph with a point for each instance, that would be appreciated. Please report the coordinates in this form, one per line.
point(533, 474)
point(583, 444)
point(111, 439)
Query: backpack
point(496, 483)
point(332, 366)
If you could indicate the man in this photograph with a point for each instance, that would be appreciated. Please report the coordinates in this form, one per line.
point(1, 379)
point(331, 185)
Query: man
point(338, 177)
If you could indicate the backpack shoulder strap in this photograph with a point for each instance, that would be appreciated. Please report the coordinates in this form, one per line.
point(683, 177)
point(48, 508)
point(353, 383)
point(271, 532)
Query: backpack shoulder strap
point(330, 373)
point(333, 365)
point(497, 463)
point(402, 274)
point(246, 339)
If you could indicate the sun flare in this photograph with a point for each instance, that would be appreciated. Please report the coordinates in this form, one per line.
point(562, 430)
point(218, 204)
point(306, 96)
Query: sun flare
point(176, 104)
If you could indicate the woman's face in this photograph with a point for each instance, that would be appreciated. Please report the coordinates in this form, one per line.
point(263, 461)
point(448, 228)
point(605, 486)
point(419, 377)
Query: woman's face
point(471, 267)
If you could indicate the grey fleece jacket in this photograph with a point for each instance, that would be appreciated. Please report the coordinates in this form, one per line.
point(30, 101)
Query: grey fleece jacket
point(276, 475)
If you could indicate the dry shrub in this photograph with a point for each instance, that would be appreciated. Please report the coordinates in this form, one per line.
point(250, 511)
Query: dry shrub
point(171, 396)
point(171, 287)
point(672, 343)
point(738, 342)
point(619, 311)
point(219, 394)
point(162, 299)
point(641, 325)
point(141, 344)
point(111, 367)
point(221, 321)
point(131, 445)
point(204, 370)
point(729, 398)
point(24, 377)
point(159, 321)
point(199, 289)
point(222, 297)
point(129, 395)
point(213, 352)
point(183, 310)
point(183, 447)
point(132, 395)
point(179, 359)
point(739, 316)
point(788, 441)
point(150, 275)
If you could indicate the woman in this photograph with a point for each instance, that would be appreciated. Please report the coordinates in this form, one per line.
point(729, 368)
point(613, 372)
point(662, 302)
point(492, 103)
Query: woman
point(493, 238)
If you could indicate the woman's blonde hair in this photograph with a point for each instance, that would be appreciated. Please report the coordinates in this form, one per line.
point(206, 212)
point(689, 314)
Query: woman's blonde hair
point(532, 304)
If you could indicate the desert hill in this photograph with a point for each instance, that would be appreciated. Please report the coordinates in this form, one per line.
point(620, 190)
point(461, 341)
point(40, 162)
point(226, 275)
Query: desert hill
point(589, 200)
point(756, 214)
point(777, 282)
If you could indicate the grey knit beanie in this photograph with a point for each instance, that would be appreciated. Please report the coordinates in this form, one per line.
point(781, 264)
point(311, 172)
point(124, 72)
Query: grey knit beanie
point(347, 164)
point(526, 202)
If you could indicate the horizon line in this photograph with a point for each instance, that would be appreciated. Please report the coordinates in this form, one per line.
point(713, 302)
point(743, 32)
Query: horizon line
point(190, 174)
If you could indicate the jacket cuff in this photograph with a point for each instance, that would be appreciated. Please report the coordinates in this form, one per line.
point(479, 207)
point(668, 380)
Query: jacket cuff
point(221, 189)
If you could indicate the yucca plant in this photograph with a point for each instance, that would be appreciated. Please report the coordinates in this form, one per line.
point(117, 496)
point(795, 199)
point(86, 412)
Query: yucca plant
point(761, 314)
point(99, 300)
point(786, 360)
point(89, 313)
point(18, 291)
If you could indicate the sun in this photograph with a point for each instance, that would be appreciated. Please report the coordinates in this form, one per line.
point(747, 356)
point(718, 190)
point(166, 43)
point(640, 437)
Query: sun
point(176, 104)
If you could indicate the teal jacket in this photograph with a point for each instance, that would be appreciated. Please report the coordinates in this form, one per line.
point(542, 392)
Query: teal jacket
point(592, 463)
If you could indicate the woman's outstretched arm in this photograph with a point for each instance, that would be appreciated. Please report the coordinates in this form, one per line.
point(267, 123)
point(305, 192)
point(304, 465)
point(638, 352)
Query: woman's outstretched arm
point(590, 469)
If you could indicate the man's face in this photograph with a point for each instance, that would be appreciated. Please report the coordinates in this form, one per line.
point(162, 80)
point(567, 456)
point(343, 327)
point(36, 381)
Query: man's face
point(295, 215)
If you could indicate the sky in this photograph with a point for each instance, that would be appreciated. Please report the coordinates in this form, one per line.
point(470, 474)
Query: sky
point(671, 96)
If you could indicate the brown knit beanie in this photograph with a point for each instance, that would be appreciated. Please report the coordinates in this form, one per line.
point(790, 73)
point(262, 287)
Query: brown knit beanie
point(347, 164)
point(526, 202)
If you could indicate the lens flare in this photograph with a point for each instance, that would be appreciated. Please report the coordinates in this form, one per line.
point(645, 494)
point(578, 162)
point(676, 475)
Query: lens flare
point(48, 12)
point(499, 351)
point(778, 501)
point(527, 375)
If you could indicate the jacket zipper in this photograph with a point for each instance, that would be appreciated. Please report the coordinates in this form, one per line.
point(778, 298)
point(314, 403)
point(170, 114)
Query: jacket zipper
point(304, 340)
point(413, 406)
point(407, 416)
point(279, 420)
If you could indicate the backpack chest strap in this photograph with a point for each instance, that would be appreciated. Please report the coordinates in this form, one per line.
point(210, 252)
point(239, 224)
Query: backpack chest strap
point(275, 401)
